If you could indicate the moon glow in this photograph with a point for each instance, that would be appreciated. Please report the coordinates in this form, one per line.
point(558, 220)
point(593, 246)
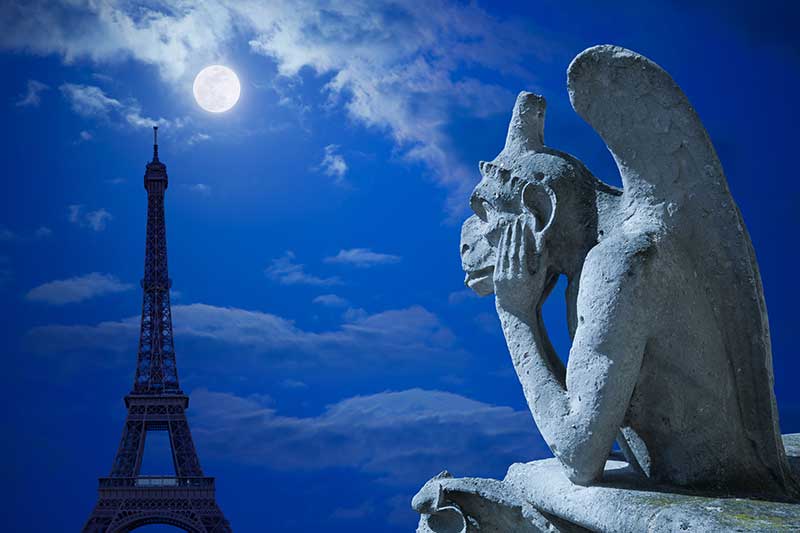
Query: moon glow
point(216, 88)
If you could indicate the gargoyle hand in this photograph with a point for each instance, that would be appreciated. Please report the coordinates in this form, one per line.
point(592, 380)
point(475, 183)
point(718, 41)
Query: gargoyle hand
point(519, 280)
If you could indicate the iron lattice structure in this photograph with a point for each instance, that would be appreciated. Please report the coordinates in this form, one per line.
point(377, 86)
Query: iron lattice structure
point(128, 500)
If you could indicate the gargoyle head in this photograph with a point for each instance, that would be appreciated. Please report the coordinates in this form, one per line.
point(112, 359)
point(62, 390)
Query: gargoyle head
point(526, 179)
point(496, 201)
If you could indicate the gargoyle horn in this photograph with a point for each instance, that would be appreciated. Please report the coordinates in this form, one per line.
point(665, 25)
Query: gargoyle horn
point(526, 129)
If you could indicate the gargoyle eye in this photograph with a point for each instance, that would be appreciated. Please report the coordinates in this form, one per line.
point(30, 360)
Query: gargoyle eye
point(480, 207)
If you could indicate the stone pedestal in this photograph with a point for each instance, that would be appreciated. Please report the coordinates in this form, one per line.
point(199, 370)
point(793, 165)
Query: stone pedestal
point(537, 497)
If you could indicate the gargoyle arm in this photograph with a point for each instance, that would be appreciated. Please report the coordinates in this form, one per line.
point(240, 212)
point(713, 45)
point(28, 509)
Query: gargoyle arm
point(580, 421)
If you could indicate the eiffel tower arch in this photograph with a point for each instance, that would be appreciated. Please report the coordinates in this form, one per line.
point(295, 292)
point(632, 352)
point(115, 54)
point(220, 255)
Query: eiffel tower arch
point(126, 499)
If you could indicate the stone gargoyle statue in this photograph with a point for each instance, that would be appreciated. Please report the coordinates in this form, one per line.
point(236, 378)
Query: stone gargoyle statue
point(670, 351)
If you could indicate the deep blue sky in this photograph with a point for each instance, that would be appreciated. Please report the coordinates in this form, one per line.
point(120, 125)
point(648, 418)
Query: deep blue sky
point(334, 359)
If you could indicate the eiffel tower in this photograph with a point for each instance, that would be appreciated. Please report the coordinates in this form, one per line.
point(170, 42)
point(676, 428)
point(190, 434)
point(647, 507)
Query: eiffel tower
point(128, 500)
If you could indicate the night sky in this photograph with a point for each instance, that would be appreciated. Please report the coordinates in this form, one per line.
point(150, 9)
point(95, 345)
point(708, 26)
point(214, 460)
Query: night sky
point(333, 357)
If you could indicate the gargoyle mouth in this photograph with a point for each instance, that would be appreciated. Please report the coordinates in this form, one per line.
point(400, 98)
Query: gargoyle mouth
point(481, 281)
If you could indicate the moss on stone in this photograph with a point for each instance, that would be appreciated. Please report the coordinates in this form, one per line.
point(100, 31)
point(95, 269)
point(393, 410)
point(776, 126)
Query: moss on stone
point(757, 515)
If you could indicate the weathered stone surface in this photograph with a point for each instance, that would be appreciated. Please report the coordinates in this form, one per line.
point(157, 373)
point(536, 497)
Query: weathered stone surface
point(538, 497)
point(620, 506)
point(455, 505)
point(671, 354)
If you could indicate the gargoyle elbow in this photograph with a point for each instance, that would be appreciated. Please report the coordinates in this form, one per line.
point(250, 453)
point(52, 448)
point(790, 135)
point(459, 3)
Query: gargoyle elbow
point(580, 471)
point(583, 477)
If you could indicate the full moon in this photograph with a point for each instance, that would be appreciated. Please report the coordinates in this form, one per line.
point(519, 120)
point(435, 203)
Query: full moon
point(216, 88)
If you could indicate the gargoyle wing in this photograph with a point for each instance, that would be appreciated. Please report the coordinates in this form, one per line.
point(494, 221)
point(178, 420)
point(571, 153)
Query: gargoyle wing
point(668, 165)
point(659, 144)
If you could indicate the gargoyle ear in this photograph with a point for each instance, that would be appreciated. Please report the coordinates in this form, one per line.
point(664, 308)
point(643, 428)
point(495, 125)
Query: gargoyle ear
point(540, 201)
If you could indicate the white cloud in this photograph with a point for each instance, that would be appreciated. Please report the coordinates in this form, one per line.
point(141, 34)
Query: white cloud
point(96, 220)
point(88, 100)
point(330, 300)
point(85, 136)
point(74, 212)
point(134, 118)
point(176, 37)
point(334, 165)
point(413, 333)
point(91, 101)
point(286, 271)
point(198, 138)
point(394, 66)
point(397, 67)
point(404, 437)
point(293, 384)
point(362, 257)
point(200, 188)
point(32, 96)
point(8, 235)
point(354, 314)
point(77, 289)
point(459, 297)
point(43, 232)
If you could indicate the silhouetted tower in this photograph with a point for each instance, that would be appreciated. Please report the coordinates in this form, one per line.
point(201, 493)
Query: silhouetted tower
point(128, 500)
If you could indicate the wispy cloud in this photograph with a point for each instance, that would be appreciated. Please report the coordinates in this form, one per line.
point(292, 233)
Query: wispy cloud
point(399, 69)
point(32, 96)
point(198, 138)
point(404, 437)
point(293, 384)
point(85, 136)
point(91, 101)
point(88, 100)
point(330, 300)
point(42, 232)
point(74, 212)
point(172, 37)
point(8, 235)
point(200, 188)
point(413, 333)
point(362, 257)
point(459, 297)
point(286, 271)
point(334, 165)
point(77, 289)
point(96, 220)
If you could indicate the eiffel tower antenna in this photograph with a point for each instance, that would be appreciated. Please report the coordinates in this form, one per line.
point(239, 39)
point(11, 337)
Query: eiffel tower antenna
point(128, 500)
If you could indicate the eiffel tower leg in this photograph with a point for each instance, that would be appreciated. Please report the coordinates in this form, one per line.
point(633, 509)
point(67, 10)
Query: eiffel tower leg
point(101, 517)
point(131, 446)
point(126, 464)
point(214, 521)
point(128, 500)
point(183, 451)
